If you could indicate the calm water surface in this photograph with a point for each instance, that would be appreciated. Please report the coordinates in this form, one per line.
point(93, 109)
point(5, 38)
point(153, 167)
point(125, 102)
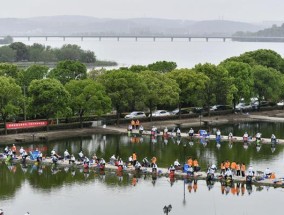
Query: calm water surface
point(186, 54)
point(49, 189)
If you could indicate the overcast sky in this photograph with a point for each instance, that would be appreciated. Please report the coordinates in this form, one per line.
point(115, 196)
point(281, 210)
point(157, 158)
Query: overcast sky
point(238, 10)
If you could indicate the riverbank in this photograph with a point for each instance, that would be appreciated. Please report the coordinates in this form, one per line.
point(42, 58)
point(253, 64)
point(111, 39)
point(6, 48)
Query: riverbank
point(183, 123)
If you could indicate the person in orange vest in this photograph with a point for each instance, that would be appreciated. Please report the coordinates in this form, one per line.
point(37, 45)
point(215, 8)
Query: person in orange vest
point(14, 149)
point(238, 169)
point(189, 162)
point(233, 167)
point(134, 158)
point(137, 124)
point(243, 169)
point(133, 124)
point(227, 164)
point(196, 165)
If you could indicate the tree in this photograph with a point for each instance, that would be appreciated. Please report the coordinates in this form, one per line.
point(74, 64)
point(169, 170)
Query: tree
point(7, 54)
point(9, 70)
point(48, 98)
point(21, 49)
point(10, 95)
point(161, 90)
point(219, 88)
point(88, 57)
point(125, 89)
point(68, 70)
point(268, 83)
point(88, 96)
point(138, 68)
point(162, 66)
point(191, 84)
point(34, 72)
point(69, 52)
point(243, 79)
point(35, 52)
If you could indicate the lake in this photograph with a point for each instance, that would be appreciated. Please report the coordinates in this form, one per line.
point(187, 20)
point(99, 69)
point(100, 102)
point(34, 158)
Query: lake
point(186, 54)
point(49, 189)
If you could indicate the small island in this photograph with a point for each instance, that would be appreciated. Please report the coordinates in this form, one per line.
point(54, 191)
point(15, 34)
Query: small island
point(6, 40)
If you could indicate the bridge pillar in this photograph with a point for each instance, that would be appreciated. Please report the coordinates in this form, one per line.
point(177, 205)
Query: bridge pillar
point(189, 39)
point(117, 39)
point(29, 38)
point(100, 38)
point(136, 39)
point(224, 39)
point(172, 39)
point(45, 38)
point(154, 39)
point(82, 38)
point(207, 39)
point(63, 38)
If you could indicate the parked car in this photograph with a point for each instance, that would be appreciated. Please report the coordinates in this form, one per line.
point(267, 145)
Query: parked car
point(182, 111)
point(243, 107)
point(220, 107)
point(135, 114)
point(158, 113)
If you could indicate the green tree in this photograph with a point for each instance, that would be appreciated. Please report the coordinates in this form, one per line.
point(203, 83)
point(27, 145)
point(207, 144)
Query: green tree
point(7, 54)
point(243, 79)
point(21, 49)
point(34, 72)
point(219, 88)
point(35, 52)
point(191, 84)
point(69, 52)
point(161, 90)
point(10, 95)
point(162, 66)
point(49, 98)
point(88, 57)
point(9, 70)
point(68, 70)
point(88, 96)
point(125, 89)
point(267, 83)
point(138, 68)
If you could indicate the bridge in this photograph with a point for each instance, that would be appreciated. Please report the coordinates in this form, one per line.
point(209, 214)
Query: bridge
point(155, 37)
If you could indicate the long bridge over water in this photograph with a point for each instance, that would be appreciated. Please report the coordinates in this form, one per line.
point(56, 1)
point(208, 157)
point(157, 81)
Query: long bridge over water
point(154, 37)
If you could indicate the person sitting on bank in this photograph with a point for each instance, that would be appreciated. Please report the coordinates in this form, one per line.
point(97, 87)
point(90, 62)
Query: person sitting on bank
point(137, 124)
point(218, 134)
point(72, 159)
point(178, 132)
point(273, 138)
point(177, 165)
point(66, 154)
point(81, 156)
point(267, 173)
point(141, 130)
point(230, 136)
point(166, 131)
point(191, 133)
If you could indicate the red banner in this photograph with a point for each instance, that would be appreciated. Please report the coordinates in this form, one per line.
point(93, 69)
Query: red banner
point(26, 124)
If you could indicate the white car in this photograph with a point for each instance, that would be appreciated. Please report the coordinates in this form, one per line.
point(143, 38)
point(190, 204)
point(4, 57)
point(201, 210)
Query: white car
point(281, 103)
point(158, 113)
point(243, 106)
point(135, 115)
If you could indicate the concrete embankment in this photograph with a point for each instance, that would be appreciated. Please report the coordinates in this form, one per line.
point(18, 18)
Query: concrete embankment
point(258, 180)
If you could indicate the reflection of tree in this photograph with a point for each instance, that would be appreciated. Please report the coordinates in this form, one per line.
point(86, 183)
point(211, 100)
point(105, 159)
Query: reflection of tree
point(10, 180)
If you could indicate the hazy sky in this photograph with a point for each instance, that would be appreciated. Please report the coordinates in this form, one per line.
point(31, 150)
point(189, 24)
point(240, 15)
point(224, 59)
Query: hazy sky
point(242, 10)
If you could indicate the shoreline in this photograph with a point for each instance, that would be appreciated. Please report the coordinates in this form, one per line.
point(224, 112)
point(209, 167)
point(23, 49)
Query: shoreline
point(183, 123)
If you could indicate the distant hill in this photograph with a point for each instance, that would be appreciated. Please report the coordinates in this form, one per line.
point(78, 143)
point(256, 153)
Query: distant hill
point(82, 25)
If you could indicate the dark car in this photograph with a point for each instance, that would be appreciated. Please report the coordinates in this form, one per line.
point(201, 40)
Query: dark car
point(220, 107)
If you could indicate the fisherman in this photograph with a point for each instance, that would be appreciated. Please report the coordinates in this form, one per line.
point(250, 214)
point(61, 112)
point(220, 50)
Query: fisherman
point(6, 150)
point(14, 150)
point(273, 138)
point(39, 157)
point(21, 150)
point(154, 168)
point(267, 173)
point(172, 169)
point(134, 158)
point(233, 167)
point(177, 165)
point(243, 169)
point(120, 163)
point(218, 134)
point(230, 136)
point(138, 166)
point(166, 131)
point(178, 132)
point(228, 173)
point(196, 165)
point(245, 137)
point(191, 133)
point(130, 128)
point(223, 168)
point(24, 155)
point(250, 171)
point(86, 161)
point(137, 124)
point(153, 160)
point(81, 156)
point(238, 169)
point(211, 171)
point(72, 159)
point(141, 130)
point(258, 137)
point(66, 155)
point(133, 124)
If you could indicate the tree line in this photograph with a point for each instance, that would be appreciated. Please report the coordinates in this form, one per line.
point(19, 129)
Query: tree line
point(19, 52)
point(6, 40)
point(68, 90)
